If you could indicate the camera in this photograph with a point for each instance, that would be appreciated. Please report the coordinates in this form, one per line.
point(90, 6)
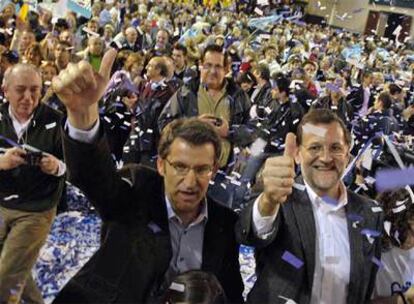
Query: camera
point(217, 121)
point(33, 158)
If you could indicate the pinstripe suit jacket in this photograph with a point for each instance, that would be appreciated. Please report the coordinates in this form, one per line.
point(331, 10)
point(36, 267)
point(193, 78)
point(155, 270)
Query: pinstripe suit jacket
point(294, 230)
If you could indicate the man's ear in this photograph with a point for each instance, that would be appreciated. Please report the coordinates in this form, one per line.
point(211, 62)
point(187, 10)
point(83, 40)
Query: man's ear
point(227, 68)
point(4, 89)
point(215, 169)
point(160, 166)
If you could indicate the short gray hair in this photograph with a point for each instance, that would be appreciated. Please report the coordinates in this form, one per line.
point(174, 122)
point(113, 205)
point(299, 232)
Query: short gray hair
point(19, 66)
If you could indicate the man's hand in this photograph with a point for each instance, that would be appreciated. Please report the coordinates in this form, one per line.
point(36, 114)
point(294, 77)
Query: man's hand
point(79, 88)
point(222, 129)
point(409, 295)
point(49, 164)
point(130, 102)
point(13, 158)
point(278, 178)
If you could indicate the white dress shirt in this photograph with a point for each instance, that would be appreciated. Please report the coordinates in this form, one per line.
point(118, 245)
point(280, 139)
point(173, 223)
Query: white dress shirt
point(332, 253)
point(365, 103)
point(397, 272)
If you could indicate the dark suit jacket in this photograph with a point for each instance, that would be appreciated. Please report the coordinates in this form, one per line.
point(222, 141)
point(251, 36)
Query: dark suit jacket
point(356, 99)
point(295, 232)
point(136, 248)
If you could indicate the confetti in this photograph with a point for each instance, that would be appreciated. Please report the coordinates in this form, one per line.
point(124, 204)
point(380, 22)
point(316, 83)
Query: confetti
point(11, 197)
point(177, 287)
point(399, 209)
point(376, 209)
point(50, 126)
point(355, 217)
point(329, 200)
point(309, 128)
point(377, 262)
point(370, 232)
point(387, 227)
point(288, 301)
point(394, 178)
point(292, 259)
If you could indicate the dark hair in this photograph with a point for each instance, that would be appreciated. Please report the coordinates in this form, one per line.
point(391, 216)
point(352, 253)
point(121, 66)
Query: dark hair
point(263, 71)
point(65, 44)
point(246, 77)
point(195, 286)
point(214, 48)
point(268, 48)
point(399, 221)
point(11, 56)
point(394, 89)
point(322, 116)
point(386, 100)
point(282, 83)
point(311, 63)
point(179, 47)
point(366, 73)
point(193, 131)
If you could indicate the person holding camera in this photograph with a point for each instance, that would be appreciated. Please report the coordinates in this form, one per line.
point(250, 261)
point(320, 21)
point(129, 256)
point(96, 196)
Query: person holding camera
point(220, 102)
point(31, 180)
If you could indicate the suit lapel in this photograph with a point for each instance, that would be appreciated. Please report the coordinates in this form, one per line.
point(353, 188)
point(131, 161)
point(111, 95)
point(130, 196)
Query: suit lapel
point(214, 240)
point(305, 222)
point(355, 248)
point(158, 224)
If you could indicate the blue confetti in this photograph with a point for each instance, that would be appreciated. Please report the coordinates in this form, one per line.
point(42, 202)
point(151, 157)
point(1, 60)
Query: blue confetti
point(292, 259)
point(394, 178)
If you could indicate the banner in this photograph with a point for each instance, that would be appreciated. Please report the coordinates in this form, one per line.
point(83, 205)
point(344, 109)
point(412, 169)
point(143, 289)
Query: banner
point(400, 3)
point(263, 22)
point(81, 7)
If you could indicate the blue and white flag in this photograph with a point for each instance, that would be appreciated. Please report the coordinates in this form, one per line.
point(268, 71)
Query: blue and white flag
point(81, 7)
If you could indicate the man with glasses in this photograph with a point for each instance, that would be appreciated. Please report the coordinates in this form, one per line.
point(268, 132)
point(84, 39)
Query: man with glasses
point(158, 224)
point(218, 101)
point(316, 241)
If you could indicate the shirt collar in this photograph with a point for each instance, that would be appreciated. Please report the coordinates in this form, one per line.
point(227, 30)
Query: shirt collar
point(171, 213)
point(317, 201)
point(17, 122)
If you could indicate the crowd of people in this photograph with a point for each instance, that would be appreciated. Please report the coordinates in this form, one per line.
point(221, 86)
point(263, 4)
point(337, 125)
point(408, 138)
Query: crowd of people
point(195, 127)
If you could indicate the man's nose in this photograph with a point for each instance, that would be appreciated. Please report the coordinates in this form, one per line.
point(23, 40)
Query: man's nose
point(190, 179)
point(27, 94)
point(325, 155)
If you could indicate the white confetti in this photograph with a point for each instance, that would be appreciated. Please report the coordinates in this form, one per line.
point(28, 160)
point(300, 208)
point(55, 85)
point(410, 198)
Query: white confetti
point(387, 227)
point(299, 187)
point(177, 287)
point(376, 209)
point(9, 198)
point(399, 209)
point(50, 126)
point(318, 131)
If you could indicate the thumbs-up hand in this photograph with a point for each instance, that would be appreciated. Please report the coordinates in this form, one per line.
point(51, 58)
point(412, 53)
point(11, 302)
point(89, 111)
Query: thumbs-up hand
point(278, 178)
point(79, 88)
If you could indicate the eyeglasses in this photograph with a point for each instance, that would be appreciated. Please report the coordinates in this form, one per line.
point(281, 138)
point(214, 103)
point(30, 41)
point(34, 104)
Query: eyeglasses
point(181, 169)
point(209, 67)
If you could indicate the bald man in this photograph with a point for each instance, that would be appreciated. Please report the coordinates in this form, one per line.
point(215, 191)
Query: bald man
point(30, 183)
point(133, 41)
